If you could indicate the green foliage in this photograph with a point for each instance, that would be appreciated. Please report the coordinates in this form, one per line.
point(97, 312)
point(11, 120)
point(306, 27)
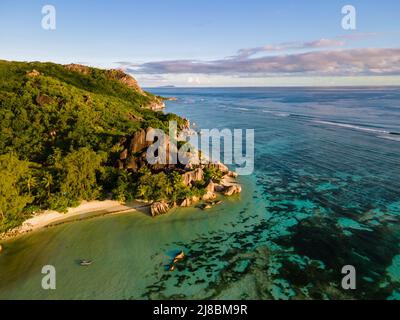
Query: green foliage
point(14, 196)
point(213, 174)
point(59, 139)
point(119, 183)
point(78, 175)
point(163, 186)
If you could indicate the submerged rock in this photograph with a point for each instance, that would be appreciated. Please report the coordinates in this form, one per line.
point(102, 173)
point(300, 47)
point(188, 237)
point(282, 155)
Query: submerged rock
point(205, 206)
point(178, 257)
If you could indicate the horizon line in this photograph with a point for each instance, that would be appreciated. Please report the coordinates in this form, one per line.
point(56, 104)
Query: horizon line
point(278, 87)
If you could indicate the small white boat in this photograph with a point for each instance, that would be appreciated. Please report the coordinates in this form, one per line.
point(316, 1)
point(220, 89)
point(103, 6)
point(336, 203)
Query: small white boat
point(85, 262)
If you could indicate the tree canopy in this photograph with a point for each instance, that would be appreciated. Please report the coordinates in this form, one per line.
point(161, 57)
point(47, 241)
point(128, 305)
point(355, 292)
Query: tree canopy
point(60, 138)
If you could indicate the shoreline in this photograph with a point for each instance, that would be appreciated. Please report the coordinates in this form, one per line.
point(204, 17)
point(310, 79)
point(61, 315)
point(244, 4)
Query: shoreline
point(87, 209)
point(96, 208)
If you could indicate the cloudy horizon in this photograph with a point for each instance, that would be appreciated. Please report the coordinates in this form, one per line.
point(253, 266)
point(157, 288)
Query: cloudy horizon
point(212, 43)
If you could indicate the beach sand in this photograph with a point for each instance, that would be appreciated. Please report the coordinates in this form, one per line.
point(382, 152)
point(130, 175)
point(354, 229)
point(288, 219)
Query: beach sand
point(86, 209)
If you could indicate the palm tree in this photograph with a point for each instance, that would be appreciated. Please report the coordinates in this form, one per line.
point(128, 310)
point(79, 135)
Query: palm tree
point(31, 183)
point(47, 181)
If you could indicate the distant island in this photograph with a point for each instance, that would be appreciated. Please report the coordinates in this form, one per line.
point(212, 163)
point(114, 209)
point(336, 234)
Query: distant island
point(167, 86)
point(72, 133)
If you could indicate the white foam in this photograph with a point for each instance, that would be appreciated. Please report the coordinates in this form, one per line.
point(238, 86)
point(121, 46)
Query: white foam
point(351, 126)
point(390, 137)
point(278, 114)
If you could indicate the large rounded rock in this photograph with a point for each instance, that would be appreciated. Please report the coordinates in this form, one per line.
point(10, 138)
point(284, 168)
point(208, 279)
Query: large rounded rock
point(189, 201)
point(232, 190)
point(33, 73)
point(131, 164)
point(209, 196)
point(232, 174)
point(157, 208)
point(138, 141)
point(123, 155)
point(124, 78)
point(210, 186)
point(192, 176)
point(78, 68)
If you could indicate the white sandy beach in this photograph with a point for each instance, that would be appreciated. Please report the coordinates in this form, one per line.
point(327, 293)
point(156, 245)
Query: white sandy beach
point(50, 217)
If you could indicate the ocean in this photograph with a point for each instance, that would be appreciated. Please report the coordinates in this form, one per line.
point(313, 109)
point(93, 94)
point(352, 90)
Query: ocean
point(325, 194)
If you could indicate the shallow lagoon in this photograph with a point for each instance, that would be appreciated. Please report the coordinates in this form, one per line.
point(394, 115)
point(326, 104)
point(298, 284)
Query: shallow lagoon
point(325, 193)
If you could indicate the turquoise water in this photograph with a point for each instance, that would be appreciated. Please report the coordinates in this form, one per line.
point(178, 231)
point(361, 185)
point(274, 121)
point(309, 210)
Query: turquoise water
point(325, 193)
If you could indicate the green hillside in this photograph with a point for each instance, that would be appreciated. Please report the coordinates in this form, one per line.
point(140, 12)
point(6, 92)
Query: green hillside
point(60, 137)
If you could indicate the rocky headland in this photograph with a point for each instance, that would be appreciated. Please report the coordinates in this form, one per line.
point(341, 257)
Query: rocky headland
point(79, 135)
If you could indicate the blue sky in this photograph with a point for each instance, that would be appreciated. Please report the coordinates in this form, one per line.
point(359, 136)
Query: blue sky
point(196, 43)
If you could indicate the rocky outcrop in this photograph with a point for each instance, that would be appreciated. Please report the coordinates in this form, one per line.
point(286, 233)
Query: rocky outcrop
point(133, 157)
point(186, 203)
point(232, 174)
point(125, 79)
point(132, 164)
point(138, 141)
point(219, 166)
point(156, 104)
point(209, 196)
point(191, 159)
point(233, 189)
point(219, 187)
point(78, 68)
point(157, 208)
point(210, 191)
point(33, 73)
point(123, 155)
point(189, 201)
point(186, 124)
point(192, 176)
point(209, 204)
point(42, 99)
point(210, 186)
